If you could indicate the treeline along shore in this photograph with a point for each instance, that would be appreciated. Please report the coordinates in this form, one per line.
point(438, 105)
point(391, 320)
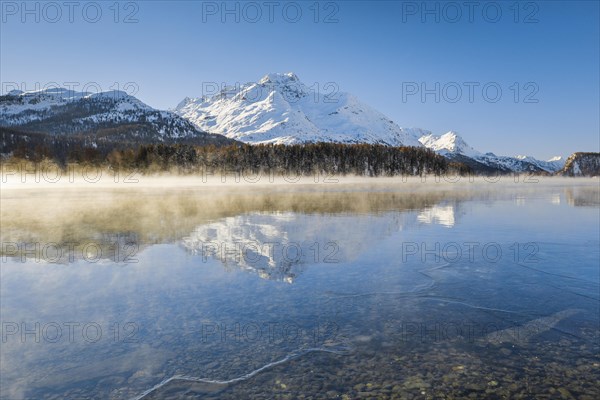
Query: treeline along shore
point(297, 159)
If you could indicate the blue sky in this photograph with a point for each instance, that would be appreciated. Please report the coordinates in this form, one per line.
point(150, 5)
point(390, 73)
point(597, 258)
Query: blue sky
point(543, 56)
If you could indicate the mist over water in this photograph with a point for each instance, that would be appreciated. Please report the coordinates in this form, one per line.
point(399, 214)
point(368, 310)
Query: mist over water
point(174, 288)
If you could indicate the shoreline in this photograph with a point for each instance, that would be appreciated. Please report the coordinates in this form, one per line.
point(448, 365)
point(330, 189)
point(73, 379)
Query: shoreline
point(300, 183)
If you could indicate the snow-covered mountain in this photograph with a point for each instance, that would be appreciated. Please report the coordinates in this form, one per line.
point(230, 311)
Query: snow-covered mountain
point(114, 115)
point(452, 146)
point(19, 108)
point(582, 164)
point(281, 109)
point(448, 143)
point(552, 165)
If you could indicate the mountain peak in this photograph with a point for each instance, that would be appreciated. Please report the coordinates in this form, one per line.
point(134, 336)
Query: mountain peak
point(281, 109)
point(111, 94)
point(279, 78)
point(184, 103)
point(449, 142)
point(51, 93)
point(55, 95)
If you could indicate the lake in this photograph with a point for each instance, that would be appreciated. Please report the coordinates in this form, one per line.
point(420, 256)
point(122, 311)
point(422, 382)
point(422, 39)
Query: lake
point(371, 289)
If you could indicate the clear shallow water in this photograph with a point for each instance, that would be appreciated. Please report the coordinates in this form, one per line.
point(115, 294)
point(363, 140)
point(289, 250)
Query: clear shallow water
point(381, 293)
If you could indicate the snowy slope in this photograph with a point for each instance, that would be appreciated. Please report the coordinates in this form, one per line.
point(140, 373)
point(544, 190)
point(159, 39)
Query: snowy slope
point(19, 108)
point(281, 109)
point(60, 111)
point(449, 143)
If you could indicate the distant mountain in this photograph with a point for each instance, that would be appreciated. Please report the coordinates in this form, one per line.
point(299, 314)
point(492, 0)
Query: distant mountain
point(552, 165)
point(448, 144)
point(582, 164)
point(281, 109)
point(111, 116)
point(453, 147)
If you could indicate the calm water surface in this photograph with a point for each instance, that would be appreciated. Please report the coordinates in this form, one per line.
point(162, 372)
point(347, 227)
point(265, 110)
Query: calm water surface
point(347, 293)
